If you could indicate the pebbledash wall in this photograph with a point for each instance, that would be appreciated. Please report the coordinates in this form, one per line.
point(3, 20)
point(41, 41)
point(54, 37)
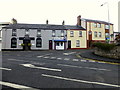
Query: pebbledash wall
point(53, 37)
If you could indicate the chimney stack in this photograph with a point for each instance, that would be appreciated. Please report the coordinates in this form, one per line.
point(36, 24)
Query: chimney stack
point(46, 21)
point(63, 23)
point(79, 20)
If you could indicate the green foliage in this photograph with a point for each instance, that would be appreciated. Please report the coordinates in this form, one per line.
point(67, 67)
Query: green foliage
point(104, 46)
point(22, 44)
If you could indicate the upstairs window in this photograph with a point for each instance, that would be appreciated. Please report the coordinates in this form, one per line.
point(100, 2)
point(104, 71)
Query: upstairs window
point(13, 43)
point(95, 25)
point(95, 34)
point(71, 34)
point(14, 32)
point(106, 26)
point(62, 33)
point(38, 33)
point(99, 25)
point(27, 32)
point(77, 43)
point(53, 33)
point(80, 33)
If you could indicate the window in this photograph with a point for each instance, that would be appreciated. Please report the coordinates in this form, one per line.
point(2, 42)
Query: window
point(53, 33)
point(77, 43)
point(62, 33)
point(0, 33)
point(13, 32)
point(71, 34)
point(80, 33)
point(38, 33)
point(99, 25)
point(95, 34)
point(106, 26)
point(39, 42)
point(95, 25)
point(100, 34)
point(13, 43)
point(27, 31)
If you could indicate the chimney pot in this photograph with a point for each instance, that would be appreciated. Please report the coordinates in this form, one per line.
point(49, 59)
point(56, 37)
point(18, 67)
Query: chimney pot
point(63, 23)
point(79, 20)
point(46, 21)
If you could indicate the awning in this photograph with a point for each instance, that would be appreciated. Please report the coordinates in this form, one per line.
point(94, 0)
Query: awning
point(60, 40)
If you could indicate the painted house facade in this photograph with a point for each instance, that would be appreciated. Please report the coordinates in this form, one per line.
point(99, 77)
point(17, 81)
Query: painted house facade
point(97, 31)
point(41, 37)
point(2, 24)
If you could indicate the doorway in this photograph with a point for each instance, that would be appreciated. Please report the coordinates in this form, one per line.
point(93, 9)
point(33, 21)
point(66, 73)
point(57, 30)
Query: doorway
point(27, 43)
point(69, 44)
point(50, 44)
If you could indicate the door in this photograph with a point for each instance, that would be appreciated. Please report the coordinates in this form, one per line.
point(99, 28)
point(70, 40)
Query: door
point(50, 44)
point(27, 44)
point(69, 44)
point(59, 45)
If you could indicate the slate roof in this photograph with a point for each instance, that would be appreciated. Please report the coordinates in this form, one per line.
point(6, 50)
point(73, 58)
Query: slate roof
point(43, 26)
point(97, 21)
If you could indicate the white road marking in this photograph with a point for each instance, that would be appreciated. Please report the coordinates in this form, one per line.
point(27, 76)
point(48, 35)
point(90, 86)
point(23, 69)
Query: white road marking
point(69, 53)
point(45, 57)
point(5, 69)
point(39, 56)
point(17, 86)
point(44, 68)
point(83, 60)
point(83, 67)
point(59, 58)
point(101, 62)
point(53, 57)
point(91, 61)
point(67, 59)
point(11, 59)
point(75, 60)
point(81, 81)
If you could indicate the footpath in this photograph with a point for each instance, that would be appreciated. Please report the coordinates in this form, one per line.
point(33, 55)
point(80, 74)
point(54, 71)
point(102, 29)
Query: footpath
point(89, 54)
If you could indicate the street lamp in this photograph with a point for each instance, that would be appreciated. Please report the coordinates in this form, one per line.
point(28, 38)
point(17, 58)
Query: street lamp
point(108, 16)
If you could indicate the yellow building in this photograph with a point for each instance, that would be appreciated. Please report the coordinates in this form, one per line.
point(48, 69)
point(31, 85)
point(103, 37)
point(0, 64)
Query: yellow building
point(97, 31)
point(77, 39)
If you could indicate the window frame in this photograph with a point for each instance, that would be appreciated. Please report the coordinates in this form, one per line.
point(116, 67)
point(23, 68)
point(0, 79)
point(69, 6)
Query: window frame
point(53, 33)
point(100, 34)
point(71, 33)
point(80, 33)
point(38, 42)
point(15, 39)
point(14, 32)
point(95, 34)
point(77, 43)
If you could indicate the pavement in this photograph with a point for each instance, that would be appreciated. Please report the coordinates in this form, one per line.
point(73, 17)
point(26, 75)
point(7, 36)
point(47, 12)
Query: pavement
point(89, 54)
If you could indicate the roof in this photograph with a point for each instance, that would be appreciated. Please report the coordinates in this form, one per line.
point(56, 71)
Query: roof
point(97, 21)
point(43, 26)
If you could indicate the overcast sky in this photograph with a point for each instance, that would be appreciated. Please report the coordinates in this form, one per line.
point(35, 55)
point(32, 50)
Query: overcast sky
point(38, 11)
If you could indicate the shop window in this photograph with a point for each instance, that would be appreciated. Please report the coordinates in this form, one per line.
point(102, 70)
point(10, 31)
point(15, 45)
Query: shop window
point(39, 42)
point(13, 43)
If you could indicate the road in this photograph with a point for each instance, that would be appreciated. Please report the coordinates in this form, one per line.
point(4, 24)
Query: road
point(36, 70)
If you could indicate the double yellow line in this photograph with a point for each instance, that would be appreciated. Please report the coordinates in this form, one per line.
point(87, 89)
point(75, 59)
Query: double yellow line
point(98, 60)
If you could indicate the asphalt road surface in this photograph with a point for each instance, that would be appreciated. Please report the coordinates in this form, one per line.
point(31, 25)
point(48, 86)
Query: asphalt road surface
point(36, 70)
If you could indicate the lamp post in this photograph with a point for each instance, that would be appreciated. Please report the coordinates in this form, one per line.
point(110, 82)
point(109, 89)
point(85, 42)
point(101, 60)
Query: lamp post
point(108, 18)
